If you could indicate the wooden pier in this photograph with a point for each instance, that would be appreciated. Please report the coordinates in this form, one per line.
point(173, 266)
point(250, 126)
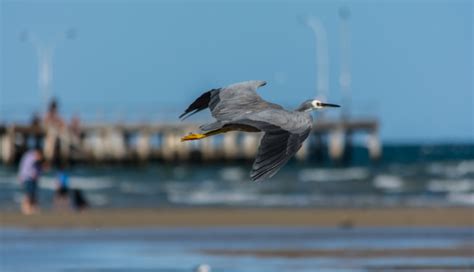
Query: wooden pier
point(144, 142)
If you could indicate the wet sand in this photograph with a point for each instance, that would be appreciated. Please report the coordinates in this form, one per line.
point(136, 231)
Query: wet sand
point(237, 248)
point(464, 251)
point(232, 217)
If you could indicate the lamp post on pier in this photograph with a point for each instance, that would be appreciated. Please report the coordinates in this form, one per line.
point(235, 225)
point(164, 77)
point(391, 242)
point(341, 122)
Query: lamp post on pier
point(45, 53)
point(322, 57)
point(345, 77)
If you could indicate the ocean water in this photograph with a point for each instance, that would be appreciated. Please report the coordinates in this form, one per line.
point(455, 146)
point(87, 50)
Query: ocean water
point(407, 175)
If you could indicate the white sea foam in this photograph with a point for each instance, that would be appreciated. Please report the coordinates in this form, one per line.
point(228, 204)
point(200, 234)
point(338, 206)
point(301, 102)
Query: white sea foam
point(136, 188)
point(83, 183)
point(243, 198)
point(461, 198)
point(177, 187)
point(284, 200)
point(8, 180)
point(451, 170)
point(232, 174)
point(328, 175)
point(462, 185)
point(388, 182)
point(95, 199)
point(212, 197)
point(48, 183)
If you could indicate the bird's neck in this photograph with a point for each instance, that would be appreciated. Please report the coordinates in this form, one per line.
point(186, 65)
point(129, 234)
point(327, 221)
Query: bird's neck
point(303, 108)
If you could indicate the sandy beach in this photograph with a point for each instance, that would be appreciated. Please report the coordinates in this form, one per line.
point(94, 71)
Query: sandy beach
point(204, 217)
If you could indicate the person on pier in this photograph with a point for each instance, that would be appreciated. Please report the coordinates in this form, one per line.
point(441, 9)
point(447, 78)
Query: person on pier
point(52, 117)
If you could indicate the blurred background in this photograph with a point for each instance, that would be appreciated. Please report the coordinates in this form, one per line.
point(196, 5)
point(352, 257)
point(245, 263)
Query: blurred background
point(98, 86)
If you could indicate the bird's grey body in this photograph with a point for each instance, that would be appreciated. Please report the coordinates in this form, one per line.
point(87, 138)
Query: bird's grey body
point(239, 107)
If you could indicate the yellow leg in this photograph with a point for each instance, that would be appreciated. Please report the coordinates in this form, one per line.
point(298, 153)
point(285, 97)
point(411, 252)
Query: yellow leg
point(199, 136)
point(193, 136)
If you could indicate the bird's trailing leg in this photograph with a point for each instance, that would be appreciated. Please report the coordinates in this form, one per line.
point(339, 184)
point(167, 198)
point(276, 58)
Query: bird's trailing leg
point(193, 136)
point(199, 136)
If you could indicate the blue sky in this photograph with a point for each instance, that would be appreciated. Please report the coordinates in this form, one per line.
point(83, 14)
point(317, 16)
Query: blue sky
point(411, 61)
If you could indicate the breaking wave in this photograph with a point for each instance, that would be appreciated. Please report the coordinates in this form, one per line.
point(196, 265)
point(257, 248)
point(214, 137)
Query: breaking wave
point(328, 175)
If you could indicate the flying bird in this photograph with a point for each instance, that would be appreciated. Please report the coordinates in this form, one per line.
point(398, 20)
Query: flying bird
point(238, 107)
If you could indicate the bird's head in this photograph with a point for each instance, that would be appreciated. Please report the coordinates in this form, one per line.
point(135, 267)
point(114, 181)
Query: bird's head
point(320, 105)
point(314, 104)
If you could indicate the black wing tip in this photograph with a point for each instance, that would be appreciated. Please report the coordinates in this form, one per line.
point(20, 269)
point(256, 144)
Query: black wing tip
point(259, 176)
point(184, 115)
point(257, 179)
point(201, 103)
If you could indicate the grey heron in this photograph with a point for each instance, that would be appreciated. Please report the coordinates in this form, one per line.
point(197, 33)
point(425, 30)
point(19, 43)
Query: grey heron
point(238, 107)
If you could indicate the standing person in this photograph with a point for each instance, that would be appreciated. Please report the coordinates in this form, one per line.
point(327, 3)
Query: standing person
point(29, 174)
point(61, 195)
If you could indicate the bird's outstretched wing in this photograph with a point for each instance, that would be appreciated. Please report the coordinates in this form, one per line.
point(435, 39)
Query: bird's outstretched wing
point(284, 135)
point(230, 103)
point(276, 149)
